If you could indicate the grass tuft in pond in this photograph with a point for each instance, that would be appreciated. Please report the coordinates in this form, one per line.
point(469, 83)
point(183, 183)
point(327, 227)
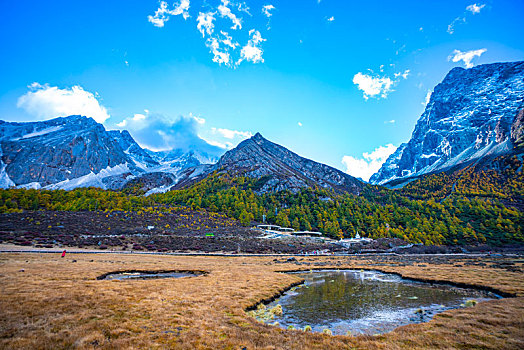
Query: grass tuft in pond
point(327, 331)
point(264, 314)
point(308, 328)
point(470, 303)
point(276, 310)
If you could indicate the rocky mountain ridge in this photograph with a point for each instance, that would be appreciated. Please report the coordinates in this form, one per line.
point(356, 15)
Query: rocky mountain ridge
point(71, 152)
point(474, 113)
point(280, 169)
point(76, 151)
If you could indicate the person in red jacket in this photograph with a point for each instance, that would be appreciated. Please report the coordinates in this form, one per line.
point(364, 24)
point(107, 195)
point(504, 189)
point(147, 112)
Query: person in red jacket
point(63, 253)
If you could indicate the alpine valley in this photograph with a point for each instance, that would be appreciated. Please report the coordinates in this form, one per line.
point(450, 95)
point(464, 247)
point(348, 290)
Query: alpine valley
point(458, 180)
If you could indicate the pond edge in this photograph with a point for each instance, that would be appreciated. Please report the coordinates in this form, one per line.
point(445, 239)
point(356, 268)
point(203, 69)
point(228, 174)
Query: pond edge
point(277, 295)
point(196, 273)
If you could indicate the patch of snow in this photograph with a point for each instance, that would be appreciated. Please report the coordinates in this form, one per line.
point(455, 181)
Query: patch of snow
point(198, 171)
point(5, 180)
point(39, 133)
point(91, 179)
point(161, 189)
point(30, 186)
point(428, 155)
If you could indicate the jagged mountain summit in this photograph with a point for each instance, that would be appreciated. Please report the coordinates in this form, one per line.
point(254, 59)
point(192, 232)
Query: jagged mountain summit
point(473, 114)
point(280, 169)
point(40, 154)
point(76, 151)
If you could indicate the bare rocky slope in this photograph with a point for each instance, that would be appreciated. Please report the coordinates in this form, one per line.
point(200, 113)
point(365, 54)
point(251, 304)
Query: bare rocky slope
point(280, 169)
point(473, 114)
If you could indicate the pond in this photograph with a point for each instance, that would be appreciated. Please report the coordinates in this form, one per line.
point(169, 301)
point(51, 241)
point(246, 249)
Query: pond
point(127, 275)
point(363, 302)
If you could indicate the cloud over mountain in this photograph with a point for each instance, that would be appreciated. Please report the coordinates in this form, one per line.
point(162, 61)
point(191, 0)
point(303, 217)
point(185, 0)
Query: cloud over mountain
point(45, 102)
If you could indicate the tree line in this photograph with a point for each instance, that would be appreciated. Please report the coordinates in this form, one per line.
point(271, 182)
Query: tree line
point(449, 218)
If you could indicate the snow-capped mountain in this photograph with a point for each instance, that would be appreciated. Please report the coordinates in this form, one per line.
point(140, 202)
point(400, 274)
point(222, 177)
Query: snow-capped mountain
point(176, 160)
point(76, 151)
point(472, 114)
point(39, 154)
point(140, 156)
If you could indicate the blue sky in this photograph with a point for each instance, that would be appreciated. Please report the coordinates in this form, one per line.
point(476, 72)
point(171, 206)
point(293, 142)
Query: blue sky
point(340, 82)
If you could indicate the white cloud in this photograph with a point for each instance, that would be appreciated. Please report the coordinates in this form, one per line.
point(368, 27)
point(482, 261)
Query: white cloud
point(331, 19)
point(137, 117)
point(162, 14)
point(252, 51)
point(373, 86)
point(402, 74)
point(242, 7)
point(199, 120)
point(392, 121)
point(219, 55)
point(299, 124)
point(370, 163)
point(475, 8)
point(266, 10)
point(224, 138)
point(228, 40)
point(378, 86)
point(222, 38)
point(161, 133)
point(231, 134)
point(466, 56)
point(458, 20)
point(158, 132)
point(226, 12)
point(44, 102)
point(205, 23)
point(220, 46)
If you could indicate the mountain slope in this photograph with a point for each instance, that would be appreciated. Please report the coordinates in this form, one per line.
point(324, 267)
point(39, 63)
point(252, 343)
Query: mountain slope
point(140, 156)
point(469, 117)
point(280, 169)
point(43, 153)
point(76, 151)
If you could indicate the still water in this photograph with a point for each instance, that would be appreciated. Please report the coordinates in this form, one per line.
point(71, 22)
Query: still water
point(147, 275)
point(366, 302)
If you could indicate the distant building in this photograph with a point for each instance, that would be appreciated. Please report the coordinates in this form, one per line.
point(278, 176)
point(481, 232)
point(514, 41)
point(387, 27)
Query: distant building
point(269, 227)
point(348, 242)
point(307, 233)
point(275, 229)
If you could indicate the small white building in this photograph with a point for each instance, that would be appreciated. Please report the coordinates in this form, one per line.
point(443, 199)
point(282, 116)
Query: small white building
point(307, 233)
point(357, 240)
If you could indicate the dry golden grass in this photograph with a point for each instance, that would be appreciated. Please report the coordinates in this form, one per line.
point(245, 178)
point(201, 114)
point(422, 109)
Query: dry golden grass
point(47, 302)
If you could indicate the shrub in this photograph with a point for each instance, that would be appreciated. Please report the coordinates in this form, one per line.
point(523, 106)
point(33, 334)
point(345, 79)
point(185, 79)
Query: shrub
point(327, 331)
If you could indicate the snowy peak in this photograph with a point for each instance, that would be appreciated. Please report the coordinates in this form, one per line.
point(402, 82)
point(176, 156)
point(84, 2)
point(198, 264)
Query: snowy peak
point(138, 155)
point(57, 150)
point(76, 151)
point(469, 116)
